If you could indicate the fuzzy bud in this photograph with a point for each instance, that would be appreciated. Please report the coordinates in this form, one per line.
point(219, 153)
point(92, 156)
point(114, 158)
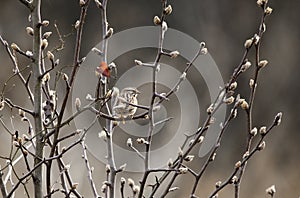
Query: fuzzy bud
point(168, 10)
point(218, 184)
point(189, 158)
point(45, 23)
point(234, 179)
point(50, 56)
point(256, 39)
point(109, 33)
point(130, 182)
point(29, 53)
point(46, 78)
point(138, 62)
point(174, 54)
point(89, 97)
point(123, 180)
point(15, 47)
point(229, 100)
point(129, 142)
point(29, 31)
point(77, 23)
point(277, 119)
point(44, 44)
point(204, 51)
point(251, 83)
point(156, 20)
point(246, 155)
point(248, 43)
point(65, 77)
point(262, 146)
point(107, 168)
point(245, 66)
point(21, 113)
point(102, 135)
point(103, 188)
point(271, 190)
point(164, 26)
point(183, 170)
point(233, 86)
point(244, 105)
point(75, 185)
point(77, 104)
point(268, 11)
point(262, 63)
point(238, 164)
point(253, 132)
point(81, 3)
point(213, 157)
point(263, 130)
point(183, 76)
point(140, 141)
point(47, 35)
point(210, 109)
point(201, 138)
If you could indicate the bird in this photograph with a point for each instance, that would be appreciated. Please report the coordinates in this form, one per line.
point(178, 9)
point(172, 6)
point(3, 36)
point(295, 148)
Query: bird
point(124, 102)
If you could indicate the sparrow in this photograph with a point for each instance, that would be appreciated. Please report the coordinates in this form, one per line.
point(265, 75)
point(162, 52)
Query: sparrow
point(123, 103)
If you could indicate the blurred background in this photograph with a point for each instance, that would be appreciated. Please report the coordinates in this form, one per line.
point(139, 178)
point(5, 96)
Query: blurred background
point(224, 25)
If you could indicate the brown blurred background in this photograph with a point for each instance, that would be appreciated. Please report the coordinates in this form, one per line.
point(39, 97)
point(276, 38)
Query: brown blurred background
point(223, 25)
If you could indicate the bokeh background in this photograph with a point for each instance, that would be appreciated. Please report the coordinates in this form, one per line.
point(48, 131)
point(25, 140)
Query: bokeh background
point(223, 25)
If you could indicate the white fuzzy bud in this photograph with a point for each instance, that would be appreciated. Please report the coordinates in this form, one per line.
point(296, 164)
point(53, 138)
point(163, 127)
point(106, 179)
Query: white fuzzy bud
point(156, 20)
point(183, 76)
point(204, 51)
point(45, 23)
point(174, 54)
point(268, 11)
point(183, 170)
point(263, 130)
point(253, 131)
point(238, 164)
point(129, 142)
point(50, 56)
point(81, 3)
point(109, 33)
point(47, 35)
point(277, 119)
point(44, 44)
point(262, 146)
point(164, 26)
point(138, 62)
point(77, 104)
point(102, 135)
point(29, 31)
point(251, 83)
point(248, 43)
point(130, 182)
point(189, 158)
point(262, 63)
point(271, 190)
point(77, 23)
point(168, 10)
point(15, 47)
point(29, 53)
